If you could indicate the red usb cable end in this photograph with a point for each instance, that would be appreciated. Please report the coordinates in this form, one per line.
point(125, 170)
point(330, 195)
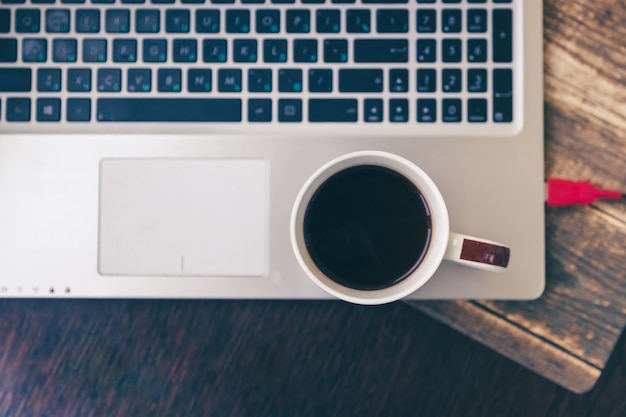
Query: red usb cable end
point(560, 193)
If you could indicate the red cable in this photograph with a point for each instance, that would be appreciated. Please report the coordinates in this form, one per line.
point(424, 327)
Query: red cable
point(561, 192)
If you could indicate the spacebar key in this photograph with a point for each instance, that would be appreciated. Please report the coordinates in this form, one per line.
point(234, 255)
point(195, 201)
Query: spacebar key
point(169, 110)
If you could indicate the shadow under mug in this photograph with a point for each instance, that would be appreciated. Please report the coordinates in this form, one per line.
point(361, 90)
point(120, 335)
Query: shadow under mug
point(371, 227)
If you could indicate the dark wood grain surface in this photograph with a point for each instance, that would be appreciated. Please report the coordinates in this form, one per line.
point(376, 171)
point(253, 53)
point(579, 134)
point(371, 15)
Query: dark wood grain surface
point(568, 334)
point(77, 358)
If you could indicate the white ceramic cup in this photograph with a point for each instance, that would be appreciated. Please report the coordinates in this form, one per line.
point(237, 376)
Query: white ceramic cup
point(443, 244)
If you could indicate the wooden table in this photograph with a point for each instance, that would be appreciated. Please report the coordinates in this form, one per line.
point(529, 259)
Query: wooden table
point(568, 334)
point(275, 358)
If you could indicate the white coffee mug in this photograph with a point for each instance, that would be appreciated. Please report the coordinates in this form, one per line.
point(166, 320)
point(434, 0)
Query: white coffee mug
point(355, 188)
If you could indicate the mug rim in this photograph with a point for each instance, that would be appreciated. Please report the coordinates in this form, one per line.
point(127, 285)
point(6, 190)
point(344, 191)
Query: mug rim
point(439, 227)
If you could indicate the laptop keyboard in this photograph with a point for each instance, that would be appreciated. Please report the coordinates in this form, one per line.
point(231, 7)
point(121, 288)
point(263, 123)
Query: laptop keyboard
point(436, 65)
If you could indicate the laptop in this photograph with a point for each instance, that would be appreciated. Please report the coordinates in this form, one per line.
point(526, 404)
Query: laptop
point(154, 149)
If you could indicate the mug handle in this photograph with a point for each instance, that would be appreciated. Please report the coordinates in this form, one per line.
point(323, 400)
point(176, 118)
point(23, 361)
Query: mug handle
point(477, 253)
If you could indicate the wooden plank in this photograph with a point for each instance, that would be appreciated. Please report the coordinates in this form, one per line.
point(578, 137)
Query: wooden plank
point(569, 333)
point(508, 339)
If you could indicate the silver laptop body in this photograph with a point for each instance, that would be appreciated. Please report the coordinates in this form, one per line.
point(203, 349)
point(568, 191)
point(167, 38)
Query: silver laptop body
point(180, 184)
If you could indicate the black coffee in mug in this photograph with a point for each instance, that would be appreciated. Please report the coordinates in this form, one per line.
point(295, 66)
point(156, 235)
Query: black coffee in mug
point(367, 227)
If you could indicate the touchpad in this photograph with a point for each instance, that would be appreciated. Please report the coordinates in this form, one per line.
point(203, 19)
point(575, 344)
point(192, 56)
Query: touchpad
point(169, 217)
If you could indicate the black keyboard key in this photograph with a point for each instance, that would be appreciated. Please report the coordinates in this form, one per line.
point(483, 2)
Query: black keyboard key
point(398, 110)
point(392, 21)
point(79, 80)
point(298, 21)
point(147, 21)
point(267, 21)
point(426, 50)
point(8, 50)
point(333, 110)
point(476, 80)
point(283, 1)
point(34, 50)
point(476, 50)
point(117, 21)
point(451, 80)
point(134, 1)
point(398, 80)
point(360, 80)
point(358, 21)
point(451, 110)
point(207, 21)
point(177, 21)
point(27, 20)
point(214, 50)
point(328, 21)
point(154, 50)
point(169, 80)
point(49, 79)
point(502, 83)
point(125, 50)
point(162, 1)
point(199, 80)
point(275, 50)
point(15, 80)
point(320, 80)
point(87, 21)
point(13, 1)
point(78, 110)
point(5, 20)
point(381, 50)
point(109, 80)
point(260, 80)
point(426, 110)
point(335, 50)
point(385, 1)
point(477, 20)
point(290, 110)
point(168, 110)
point(451, 50)
point(245, 50)
point(185, 50)
point(372, 110)
point(237, 21)
point(477, 110)
point(502, 36)
point(426, 20)
point(502, 95)
point(94, 50)
point(451, 20)
point(139, 80)
point(290, 80)
point(259, 110)
point(57, 20)
point(426, 80)
point(305, 50)
point(48, 110)
point(64, 50)
point(222, 1)
point(229, 80)
point(18, 109)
